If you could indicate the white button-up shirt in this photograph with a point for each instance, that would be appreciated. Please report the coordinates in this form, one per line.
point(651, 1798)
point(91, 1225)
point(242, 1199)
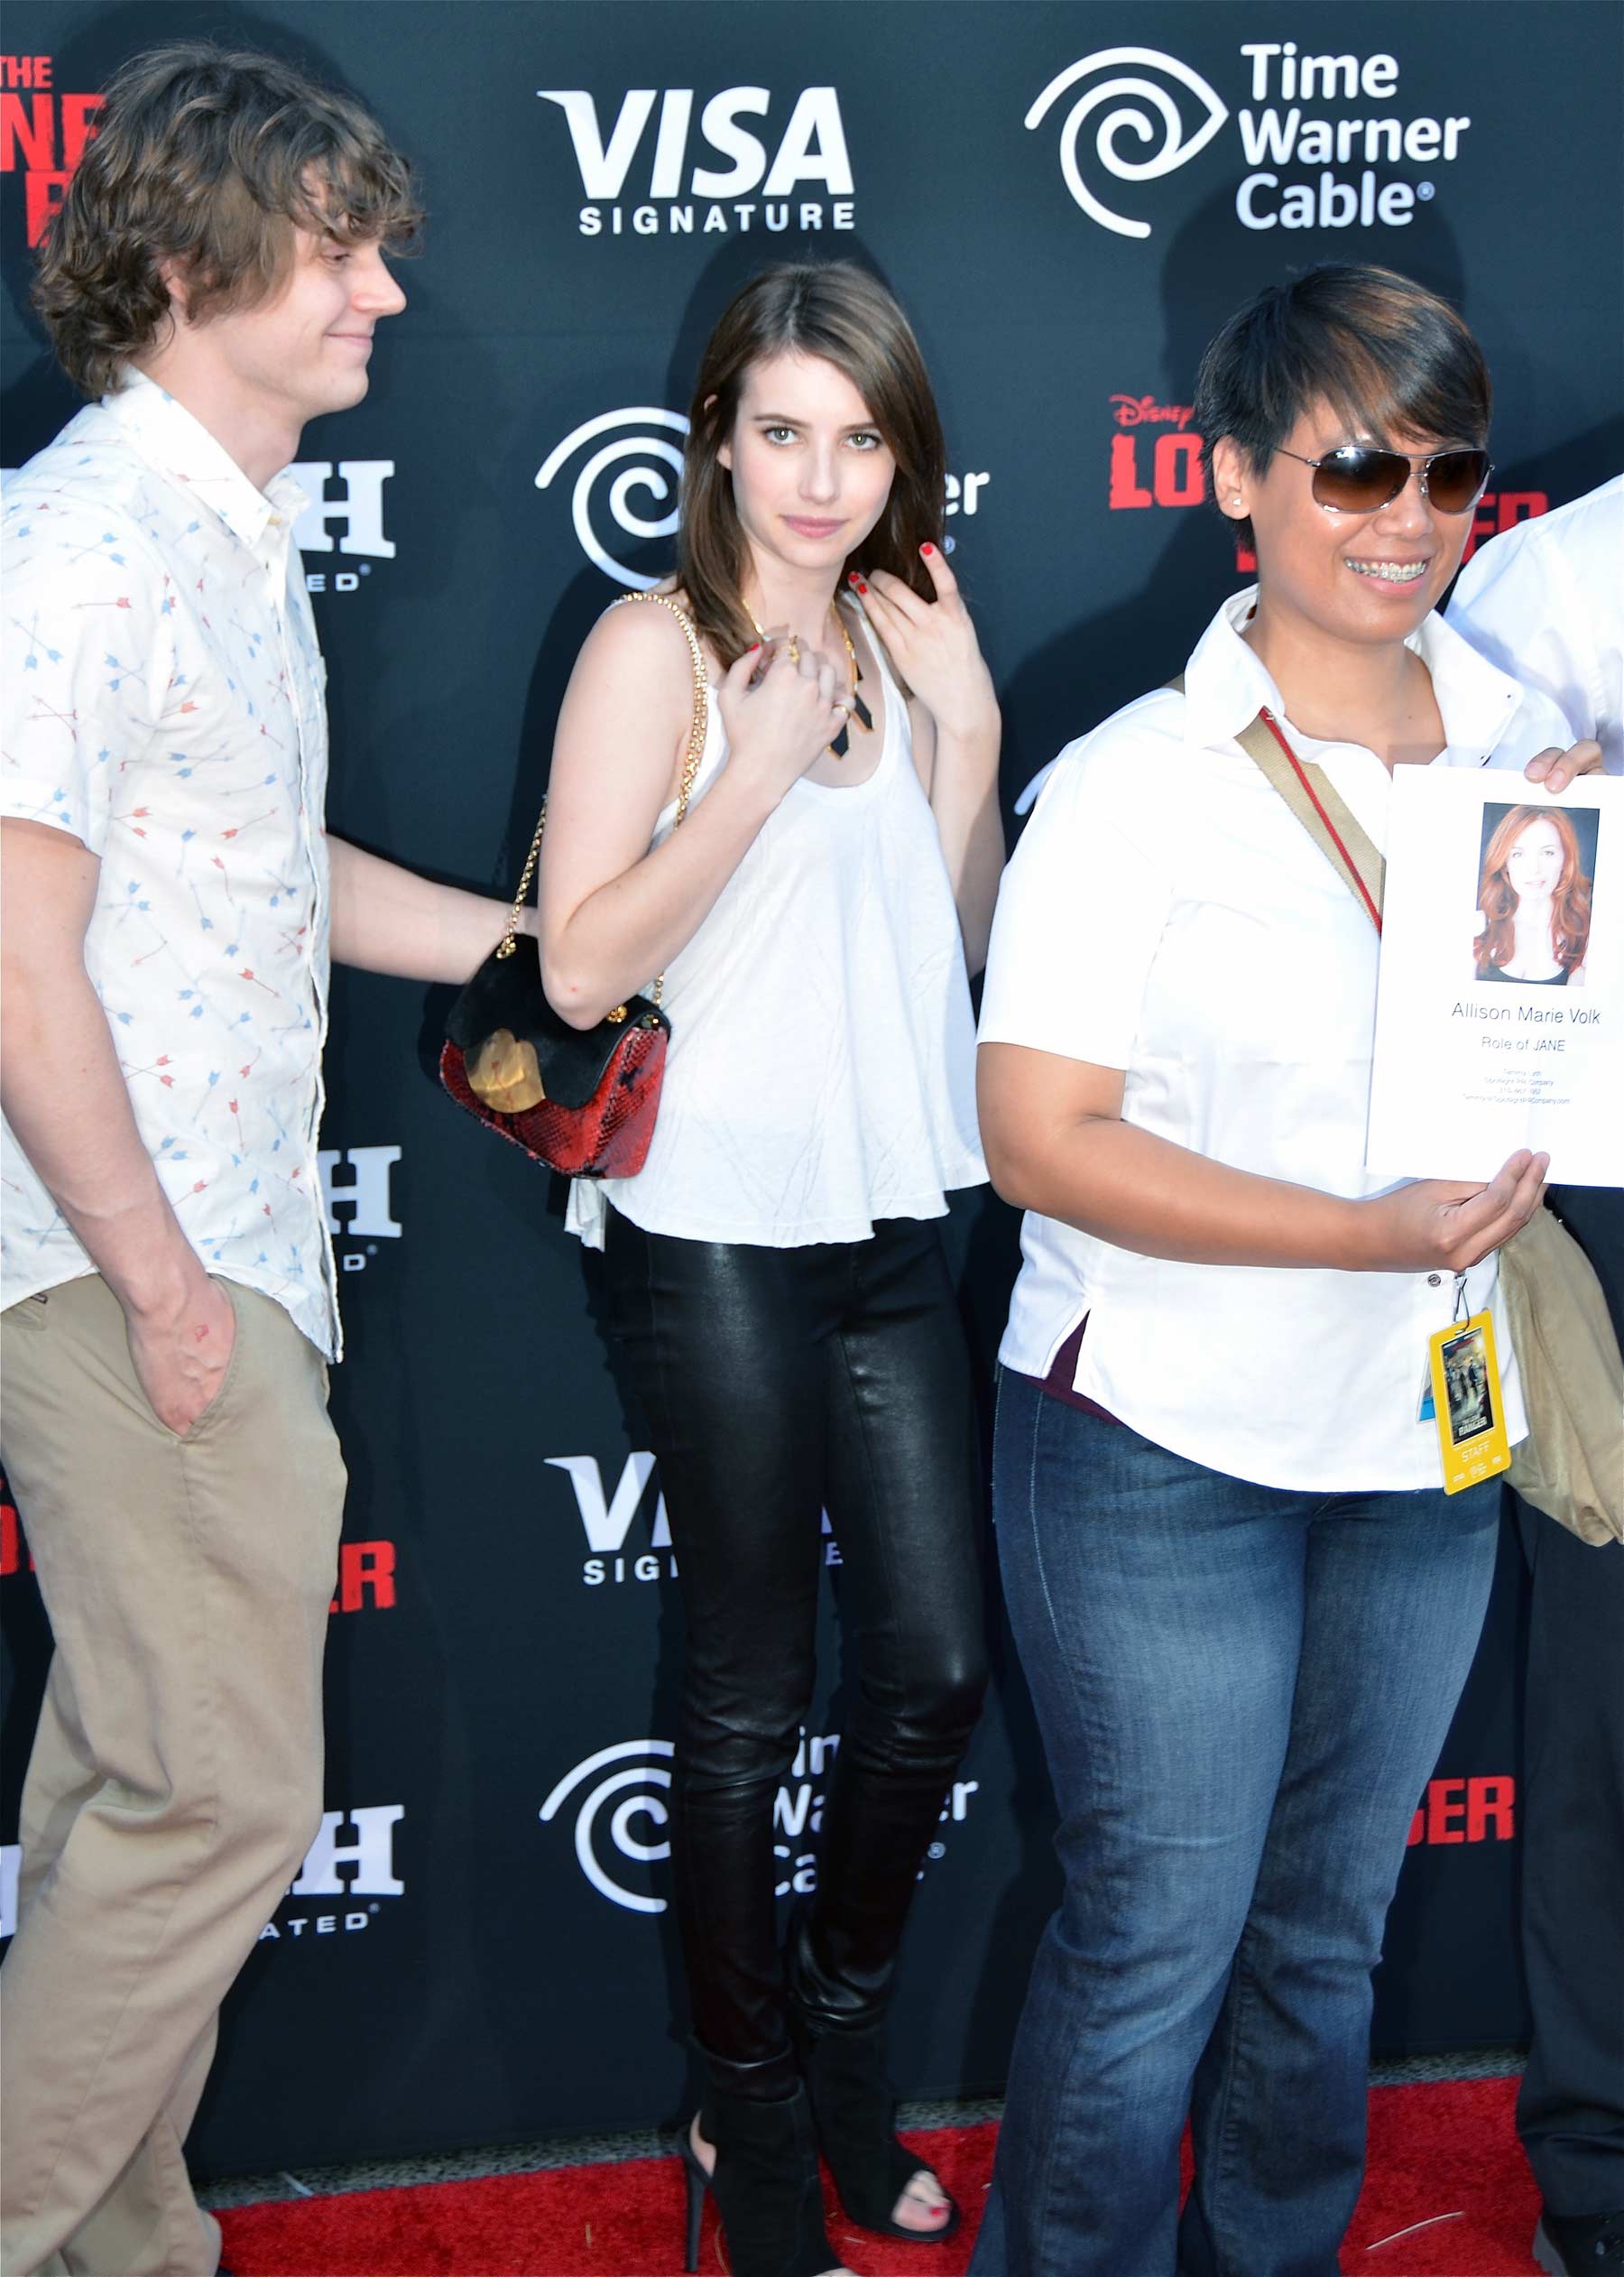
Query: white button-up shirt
point(164, 705)
point(1545, 600)
point(1165, 914)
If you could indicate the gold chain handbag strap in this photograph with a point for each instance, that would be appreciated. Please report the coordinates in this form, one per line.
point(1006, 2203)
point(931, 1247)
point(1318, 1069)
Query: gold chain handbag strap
point(698, 727)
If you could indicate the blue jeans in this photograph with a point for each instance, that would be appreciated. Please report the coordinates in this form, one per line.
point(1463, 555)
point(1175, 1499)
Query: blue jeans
point(1241, 1693)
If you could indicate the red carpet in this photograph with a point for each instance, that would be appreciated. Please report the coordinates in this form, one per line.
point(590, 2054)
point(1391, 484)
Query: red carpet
point(1444, 2150)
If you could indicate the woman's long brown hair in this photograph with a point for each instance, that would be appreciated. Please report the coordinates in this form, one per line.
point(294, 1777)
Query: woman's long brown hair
point(1498, 897)
point(839, 311)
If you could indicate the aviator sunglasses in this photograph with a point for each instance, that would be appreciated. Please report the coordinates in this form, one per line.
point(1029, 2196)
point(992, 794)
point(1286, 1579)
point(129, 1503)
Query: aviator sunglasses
point(1357, 478)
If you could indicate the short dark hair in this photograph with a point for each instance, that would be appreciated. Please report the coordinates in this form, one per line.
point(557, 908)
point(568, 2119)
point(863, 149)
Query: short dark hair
point(1393, 358)
point(839, 311)
point(211, 158)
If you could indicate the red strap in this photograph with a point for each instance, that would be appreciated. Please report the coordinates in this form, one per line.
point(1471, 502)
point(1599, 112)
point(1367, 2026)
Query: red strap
point(1270, 721)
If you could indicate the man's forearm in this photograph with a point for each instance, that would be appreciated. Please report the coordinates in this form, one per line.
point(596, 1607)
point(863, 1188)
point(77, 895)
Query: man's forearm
point(64, 1095)
point(388, 920)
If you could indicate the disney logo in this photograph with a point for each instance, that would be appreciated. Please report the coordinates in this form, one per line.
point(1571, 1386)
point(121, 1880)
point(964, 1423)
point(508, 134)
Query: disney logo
point(1140, 411)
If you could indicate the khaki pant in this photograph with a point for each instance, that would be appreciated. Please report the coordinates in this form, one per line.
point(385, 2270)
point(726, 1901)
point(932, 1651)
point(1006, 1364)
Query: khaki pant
point(175, 1782)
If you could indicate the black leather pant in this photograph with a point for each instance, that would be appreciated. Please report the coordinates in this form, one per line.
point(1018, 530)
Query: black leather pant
point(777, 1382)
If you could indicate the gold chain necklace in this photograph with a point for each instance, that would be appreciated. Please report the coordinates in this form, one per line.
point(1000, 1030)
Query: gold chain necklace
point(858, 708)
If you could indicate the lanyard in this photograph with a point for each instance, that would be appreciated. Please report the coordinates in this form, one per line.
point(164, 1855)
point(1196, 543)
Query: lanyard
point(1363, 891)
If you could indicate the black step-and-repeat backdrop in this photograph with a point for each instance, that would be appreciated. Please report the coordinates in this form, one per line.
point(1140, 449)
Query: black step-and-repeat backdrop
point(1068, 199)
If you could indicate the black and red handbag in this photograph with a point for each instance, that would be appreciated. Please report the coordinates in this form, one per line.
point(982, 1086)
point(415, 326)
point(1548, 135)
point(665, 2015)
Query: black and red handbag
point(578, 1100)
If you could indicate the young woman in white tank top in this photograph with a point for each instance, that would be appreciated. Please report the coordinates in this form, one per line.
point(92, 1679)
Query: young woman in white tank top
point(774, 1274)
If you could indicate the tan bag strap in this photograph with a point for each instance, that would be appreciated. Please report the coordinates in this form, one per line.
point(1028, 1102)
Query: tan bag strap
point(698, 727)
point(1307, 790)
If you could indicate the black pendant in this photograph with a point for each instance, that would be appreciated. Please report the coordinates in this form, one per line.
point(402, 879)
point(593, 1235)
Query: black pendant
point(861, 715)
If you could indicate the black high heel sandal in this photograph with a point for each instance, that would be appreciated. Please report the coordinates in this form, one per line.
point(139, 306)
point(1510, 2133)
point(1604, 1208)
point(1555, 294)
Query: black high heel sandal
point(854, 2111)
point(768, 2189)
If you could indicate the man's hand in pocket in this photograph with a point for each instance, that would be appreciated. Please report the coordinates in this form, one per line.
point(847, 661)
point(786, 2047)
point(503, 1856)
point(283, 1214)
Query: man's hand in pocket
point(181, 1351)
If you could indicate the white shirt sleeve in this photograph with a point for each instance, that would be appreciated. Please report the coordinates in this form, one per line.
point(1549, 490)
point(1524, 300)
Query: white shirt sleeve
point(86, 659)
point(1518, 604)
point(1082, 907)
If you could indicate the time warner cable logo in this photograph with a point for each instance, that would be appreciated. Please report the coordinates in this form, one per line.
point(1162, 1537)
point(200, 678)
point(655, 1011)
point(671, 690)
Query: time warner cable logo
point(655, 479)
point(652, 480)
point(1141, 108)
point(1292, 116)
point(619, 1796)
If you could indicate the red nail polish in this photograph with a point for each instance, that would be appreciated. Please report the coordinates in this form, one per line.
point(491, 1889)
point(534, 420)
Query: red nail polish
point(927, 548)
point(851, 576)
point(861, 587)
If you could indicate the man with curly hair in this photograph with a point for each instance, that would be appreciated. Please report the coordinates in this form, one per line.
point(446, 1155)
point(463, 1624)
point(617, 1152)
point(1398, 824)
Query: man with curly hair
point(214, 279)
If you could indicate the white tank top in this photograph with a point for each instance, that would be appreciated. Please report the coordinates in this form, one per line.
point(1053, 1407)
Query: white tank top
point(821, 1070)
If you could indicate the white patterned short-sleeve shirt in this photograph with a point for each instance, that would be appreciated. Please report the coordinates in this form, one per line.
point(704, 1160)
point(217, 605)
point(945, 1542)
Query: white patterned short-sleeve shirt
point(163, 704)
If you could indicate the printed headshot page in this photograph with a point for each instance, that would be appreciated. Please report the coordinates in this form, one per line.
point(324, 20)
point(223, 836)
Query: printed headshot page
point(1500, 1014)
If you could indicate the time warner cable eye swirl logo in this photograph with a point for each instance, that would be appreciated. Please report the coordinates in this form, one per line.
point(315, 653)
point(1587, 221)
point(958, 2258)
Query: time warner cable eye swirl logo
point(635, 1784)
point(1149, 112)
point(652, 477)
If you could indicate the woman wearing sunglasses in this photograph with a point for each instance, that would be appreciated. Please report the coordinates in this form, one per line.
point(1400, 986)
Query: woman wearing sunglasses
point(1244, 1604)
